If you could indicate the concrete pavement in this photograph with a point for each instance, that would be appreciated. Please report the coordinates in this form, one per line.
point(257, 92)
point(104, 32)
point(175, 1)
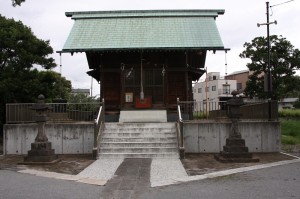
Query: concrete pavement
point(162, 171)
point(278, 182)
point(133, 178)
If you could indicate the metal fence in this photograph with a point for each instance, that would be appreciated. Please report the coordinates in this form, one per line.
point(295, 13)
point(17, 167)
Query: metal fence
point(59, 112)
point(192, 110)
point(200, 110)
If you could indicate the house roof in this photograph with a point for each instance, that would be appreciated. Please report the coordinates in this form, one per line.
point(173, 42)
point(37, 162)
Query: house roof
point(80, 90)
point(144, 29)
point(289, 100)
point(238, 72)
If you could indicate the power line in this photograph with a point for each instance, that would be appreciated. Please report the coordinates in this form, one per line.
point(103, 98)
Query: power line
point(282, 3)
point(279, 5)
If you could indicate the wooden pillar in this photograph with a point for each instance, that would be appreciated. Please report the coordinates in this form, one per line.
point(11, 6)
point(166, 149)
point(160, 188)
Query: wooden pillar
point(187, 85)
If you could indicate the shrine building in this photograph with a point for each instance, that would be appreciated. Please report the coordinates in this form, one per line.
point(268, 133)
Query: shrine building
point(145, 59)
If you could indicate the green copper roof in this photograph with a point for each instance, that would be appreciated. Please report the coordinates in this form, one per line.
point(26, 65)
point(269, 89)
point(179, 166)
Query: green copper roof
point(156, 29)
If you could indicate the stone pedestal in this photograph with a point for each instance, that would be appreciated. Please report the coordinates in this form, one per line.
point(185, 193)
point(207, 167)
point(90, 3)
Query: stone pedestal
point(235, 150)
point(41, 152)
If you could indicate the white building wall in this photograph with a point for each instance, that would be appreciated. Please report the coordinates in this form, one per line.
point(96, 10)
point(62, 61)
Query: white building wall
point(215, 88)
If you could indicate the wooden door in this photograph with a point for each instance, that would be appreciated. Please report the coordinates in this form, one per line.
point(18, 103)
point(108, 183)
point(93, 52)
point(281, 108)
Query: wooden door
point(176, 87)
point(154, 85)
point(112, 90)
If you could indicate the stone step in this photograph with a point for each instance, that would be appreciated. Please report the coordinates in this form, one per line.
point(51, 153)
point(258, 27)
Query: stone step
point(138, 144)
point(137, 149)
point(139, 139)
point(113, 125)
point(139, 155)
point(143, 116)
point(141, 135)
point(140, 130)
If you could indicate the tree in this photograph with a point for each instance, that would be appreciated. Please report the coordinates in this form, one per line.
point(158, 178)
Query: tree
point(20, 49)
point(17, 2)
point(28, 84)
point(82, 98)
point(297, 103)
point(20, 52)
point(284, 61)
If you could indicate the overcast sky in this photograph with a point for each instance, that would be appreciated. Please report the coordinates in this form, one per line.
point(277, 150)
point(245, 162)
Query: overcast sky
point(238, 25)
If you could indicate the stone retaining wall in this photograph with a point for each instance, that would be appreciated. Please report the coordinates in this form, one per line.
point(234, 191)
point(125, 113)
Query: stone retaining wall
point(66, 138)
point(210, 136)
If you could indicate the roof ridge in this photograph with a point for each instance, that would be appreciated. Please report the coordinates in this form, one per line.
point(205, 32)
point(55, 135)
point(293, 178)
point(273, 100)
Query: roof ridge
point(185, 12)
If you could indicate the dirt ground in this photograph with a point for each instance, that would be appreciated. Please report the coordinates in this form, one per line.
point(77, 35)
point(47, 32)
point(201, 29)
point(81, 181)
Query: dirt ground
point(197, 164)
point(291, 149)
point(68, 164)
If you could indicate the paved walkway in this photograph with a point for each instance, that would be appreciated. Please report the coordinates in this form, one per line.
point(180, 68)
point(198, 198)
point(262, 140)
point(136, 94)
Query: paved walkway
point(130, 180)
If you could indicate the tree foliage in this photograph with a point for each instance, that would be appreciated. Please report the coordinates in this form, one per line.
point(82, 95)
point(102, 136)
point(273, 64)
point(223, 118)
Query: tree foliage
point(284, 61)
point(17, 2)
point(82, 98)
point(20, 49)
point(20, 52)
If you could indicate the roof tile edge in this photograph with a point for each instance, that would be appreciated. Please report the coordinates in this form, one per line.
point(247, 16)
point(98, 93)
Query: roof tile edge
point(153, 13)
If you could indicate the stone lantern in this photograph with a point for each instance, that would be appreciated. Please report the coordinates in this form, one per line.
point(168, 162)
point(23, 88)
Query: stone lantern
point(235, 149)
point(234, 114)
point(41, 150)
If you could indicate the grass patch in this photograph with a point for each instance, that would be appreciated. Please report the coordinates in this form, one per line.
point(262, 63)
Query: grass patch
point(289, 113)
point(199, 115)
point(290, 130)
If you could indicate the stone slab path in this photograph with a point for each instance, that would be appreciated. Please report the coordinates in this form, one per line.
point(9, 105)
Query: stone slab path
point(131, 179)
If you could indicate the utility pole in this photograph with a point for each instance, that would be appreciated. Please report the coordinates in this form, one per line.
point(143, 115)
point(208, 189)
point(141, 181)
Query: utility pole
point(269, 76)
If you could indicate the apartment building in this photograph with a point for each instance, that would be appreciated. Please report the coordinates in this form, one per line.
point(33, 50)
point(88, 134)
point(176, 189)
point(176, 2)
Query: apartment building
point(241, 78)
point(214, 89)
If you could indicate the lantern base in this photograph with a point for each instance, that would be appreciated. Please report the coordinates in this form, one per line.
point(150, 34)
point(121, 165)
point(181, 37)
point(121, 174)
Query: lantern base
point(41, 152)
point(235, 151)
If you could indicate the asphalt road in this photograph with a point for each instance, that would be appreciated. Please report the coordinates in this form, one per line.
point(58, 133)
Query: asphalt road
point(15, 185)
point(278, 182)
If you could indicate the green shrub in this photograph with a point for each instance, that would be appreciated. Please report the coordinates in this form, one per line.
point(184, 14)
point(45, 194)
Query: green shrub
point(285, 139)
point(290, 130)
point(199, 115)
point(289, 113)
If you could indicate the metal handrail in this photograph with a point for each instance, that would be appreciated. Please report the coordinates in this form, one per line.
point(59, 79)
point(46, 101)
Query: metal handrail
point(99, 125)
point(180, 131)
point(179, 113)
point(98, 116)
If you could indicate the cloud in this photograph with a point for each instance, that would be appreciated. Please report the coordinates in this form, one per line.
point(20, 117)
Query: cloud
point(238, 25)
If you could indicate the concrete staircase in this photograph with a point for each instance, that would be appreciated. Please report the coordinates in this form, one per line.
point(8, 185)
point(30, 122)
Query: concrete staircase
point(139, 140)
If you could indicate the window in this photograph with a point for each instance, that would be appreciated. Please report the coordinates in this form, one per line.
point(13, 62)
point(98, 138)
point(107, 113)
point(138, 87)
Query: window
point(214, 77)
point(207, 89)
point(199, 90)
point(213, 88)
point(226, 89)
